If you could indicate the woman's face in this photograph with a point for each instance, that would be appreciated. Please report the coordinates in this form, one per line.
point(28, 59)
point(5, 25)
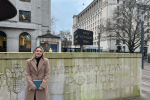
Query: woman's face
point(38, 53)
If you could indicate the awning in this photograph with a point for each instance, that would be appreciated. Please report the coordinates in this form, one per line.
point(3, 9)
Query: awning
point(7, 10)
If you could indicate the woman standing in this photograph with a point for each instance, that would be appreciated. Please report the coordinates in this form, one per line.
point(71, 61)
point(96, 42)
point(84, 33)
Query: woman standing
point(37, 68)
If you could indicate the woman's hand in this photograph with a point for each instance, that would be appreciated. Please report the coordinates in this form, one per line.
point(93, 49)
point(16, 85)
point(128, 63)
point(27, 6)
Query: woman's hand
point(34, 88)
point(40, 88)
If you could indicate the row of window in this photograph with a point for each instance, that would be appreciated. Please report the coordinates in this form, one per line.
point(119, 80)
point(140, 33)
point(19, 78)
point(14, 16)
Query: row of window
point(91, 18)
point(89, 10)
point(24, 42)
point(92, 26)
point(118, 42)
point(123, 34)
point(83, 25)
point(88, 22)
point(119, 1)
point(99, 13)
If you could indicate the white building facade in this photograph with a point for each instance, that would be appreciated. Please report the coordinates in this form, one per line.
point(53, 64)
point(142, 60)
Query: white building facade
point(91, 18)
point(20, 33)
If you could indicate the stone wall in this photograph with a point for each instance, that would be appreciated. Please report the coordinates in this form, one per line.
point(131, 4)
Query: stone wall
point(76, 76)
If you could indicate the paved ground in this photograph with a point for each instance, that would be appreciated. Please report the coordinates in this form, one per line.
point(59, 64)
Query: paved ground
point(145, 87)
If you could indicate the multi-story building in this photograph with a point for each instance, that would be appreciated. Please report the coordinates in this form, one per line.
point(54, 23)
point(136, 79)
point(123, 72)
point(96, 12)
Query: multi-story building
point(26, 30)
point(92, 17)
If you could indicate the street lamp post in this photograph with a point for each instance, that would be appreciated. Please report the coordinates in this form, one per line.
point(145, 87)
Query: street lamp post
point(65, 41)
point(110, 42)
point(99, 39)
point(144, 8)
point(142, 36)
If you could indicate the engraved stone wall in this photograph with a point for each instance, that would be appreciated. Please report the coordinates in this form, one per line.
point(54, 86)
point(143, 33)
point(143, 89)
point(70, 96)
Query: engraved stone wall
point(76, 76)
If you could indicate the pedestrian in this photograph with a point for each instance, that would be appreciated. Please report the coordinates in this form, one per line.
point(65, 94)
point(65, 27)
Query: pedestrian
point(37, 68)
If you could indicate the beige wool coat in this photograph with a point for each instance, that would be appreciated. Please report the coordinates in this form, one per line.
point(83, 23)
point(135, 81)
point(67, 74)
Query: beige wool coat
point(34, 73)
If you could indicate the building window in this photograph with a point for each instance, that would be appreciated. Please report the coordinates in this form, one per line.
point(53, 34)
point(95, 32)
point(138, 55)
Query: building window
point(145, 42)
point(25, 42)
point(117, 20)
point(123, 14)
point(148, 15)
point(117, 42)
point(26, 0)
point(117, 14)
point(124, 49)
point(117, 1)
point(24, 16)
point(123, 42)
point(118, 8)
point(123, 2)
point(117, 34)
point(147, 36)
point(123, 34)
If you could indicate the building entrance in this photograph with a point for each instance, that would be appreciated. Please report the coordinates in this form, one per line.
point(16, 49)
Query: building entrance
point(49, 46)
point(4, 44)
point(3, 41)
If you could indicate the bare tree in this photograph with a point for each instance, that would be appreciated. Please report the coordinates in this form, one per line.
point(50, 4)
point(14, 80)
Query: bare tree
point(53, 25)
point(125, 24)
point(66, 37)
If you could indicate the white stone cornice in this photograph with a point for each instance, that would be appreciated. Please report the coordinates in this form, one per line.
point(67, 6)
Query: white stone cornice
point(22, 25)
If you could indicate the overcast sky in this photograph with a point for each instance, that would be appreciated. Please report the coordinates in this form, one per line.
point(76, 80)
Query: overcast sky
point(63, 11)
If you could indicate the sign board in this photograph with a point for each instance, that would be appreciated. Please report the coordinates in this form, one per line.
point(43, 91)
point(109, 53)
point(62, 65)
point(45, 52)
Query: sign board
point(83, 37)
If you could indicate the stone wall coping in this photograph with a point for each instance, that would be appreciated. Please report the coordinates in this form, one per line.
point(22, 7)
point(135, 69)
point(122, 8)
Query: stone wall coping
point(27, 55)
